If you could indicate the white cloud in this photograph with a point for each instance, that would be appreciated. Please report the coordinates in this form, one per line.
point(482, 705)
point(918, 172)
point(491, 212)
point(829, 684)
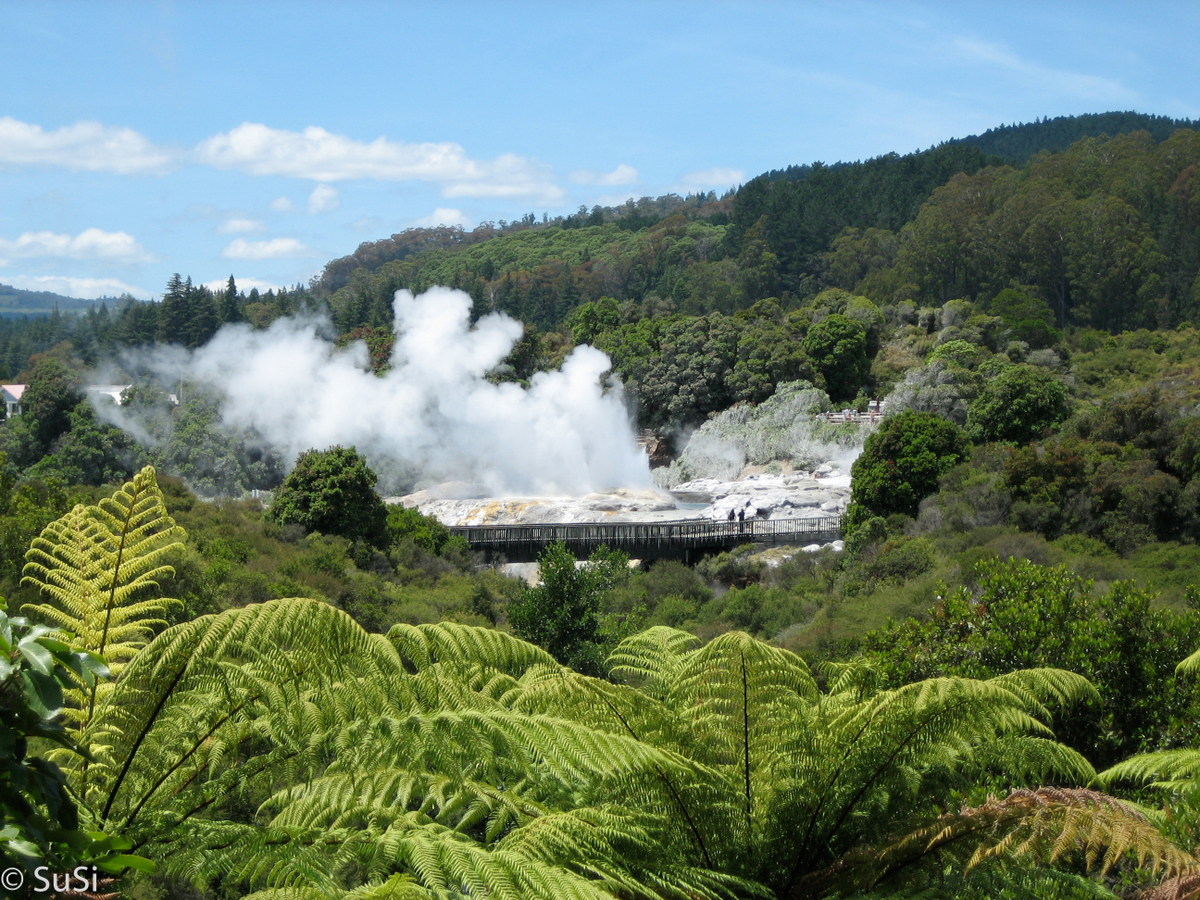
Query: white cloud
point(717, 177)
point(240, 226)
point(622, 174)
point(245, 285)
point(276, 248)
point(443, 216)
point(84, 288)
point(612, 199)
point(87, 146)
point(282, 204)
point(323, 199)
point(1091, 87)
point(114, 246)
point(319, 155)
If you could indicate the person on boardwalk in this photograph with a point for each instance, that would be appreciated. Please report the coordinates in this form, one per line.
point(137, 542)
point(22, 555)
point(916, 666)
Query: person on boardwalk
point(741, 520)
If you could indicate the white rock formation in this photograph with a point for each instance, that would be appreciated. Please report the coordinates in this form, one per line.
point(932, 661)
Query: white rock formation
point(790, 496)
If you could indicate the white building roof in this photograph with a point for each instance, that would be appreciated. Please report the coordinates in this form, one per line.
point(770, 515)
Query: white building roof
point(111, 390)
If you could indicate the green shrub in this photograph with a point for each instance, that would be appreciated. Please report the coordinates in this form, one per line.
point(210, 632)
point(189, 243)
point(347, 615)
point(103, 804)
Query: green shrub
point(736, 568)
point(333, 492)
point(1020, 405)
point(1020, 615)
point(901, 463)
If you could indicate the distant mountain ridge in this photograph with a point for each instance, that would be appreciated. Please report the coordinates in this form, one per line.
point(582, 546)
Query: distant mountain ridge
point(17, 301)
point(1017, 143)
point(883, 192)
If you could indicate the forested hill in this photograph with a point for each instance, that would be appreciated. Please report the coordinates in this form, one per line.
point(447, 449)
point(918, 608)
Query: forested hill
point(15, 301)
point(1104, 234)
point(1017, 143)
point(630, 216)
point(1107, 233)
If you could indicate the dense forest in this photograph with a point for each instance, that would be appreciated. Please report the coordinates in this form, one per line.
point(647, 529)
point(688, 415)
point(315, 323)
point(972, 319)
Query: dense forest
point(16, 301)
point(208, 692)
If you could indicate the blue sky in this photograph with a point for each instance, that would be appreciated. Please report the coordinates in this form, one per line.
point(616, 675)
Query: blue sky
point(263, 139)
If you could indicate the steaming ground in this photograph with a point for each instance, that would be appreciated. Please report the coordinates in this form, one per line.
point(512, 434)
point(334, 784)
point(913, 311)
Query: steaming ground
point(433, 416)
point(785, 431)
point(774, 460)
point(784, 495)
point(561, 450)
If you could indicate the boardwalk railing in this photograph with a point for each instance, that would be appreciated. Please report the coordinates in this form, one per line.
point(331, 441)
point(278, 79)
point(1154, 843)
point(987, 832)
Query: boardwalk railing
point(850, 417)
point(686, 539)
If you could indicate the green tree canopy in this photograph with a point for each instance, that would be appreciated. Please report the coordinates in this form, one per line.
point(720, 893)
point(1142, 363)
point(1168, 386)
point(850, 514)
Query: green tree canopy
point(51, 393)
point(837, 346)
point(562, 613)
point(1029, 318)
point(1019, 405)
point(901, 463)
point(332, 491)
point(1019, 615)
point(228, 307)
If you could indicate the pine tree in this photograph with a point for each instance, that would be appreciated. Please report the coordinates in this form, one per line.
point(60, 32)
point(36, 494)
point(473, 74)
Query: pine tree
point(173, 313)
point(202, 317)
point(230, 311)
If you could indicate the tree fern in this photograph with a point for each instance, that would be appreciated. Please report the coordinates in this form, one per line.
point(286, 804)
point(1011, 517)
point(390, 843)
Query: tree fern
point(98, 568)
point(1041, 827)
point(1169, 770)
point(389, 759)
point(286, 750)
point(177, 722)
point(817, 775)
point(1191, 665)
point(422, 645)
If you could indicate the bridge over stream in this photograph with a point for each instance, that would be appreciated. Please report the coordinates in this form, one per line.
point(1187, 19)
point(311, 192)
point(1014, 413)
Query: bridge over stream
point(686, 540)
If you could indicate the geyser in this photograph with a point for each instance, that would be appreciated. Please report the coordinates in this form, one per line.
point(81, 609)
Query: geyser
point(434, 413)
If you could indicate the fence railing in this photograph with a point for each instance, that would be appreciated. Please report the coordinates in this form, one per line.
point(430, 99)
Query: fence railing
point(642, 539)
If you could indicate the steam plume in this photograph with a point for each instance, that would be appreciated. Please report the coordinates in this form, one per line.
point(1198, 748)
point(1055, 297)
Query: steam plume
point(434, 413)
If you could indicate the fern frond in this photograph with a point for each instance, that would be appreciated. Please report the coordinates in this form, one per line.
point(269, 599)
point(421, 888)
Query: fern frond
point(1181, 887)
point(1165, 769)
point(998, 880)
point(442, 859)
point(463, 645)
point(352, 799)
point(1045, 687)
point(624, 848)
point(616, 708)
point(398, 887)
point(295, 893)
point(1189, 666)
point(1043, 826)
point(443, 862)
point(98, 569)
point(858, 676)
point(650, 659)
point(170, 732)
point(1034, 760)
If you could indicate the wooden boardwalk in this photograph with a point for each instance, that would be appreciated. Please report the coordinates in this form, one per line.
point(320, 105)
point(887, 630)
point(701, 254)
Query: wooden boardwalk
point(686, 540)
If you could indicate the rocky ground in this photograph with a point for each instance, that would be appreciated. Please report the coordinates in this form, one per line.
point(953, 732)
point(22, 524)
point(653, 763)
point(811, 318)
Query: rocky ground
point(797, 495)
point(822, 492)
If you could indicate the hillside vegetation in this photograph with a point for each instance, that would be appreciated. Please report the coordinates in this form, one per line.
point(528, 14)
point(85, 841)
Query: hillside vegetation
point(17, 301)
point(317, 697)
